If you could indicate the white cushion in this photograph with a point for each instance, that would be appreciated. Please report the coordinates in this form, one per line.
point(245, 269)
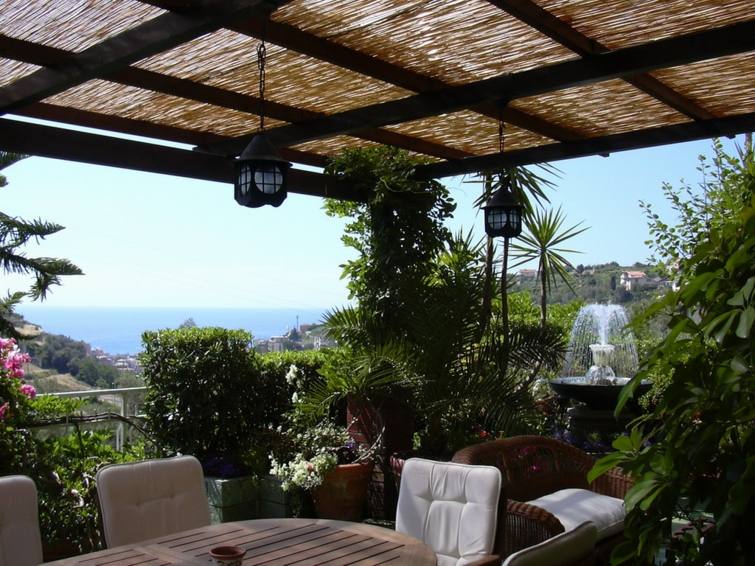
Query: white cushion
point(452, 508)
point(565, 549)
point(20, 543)
point(576, 506)
point(152, 498)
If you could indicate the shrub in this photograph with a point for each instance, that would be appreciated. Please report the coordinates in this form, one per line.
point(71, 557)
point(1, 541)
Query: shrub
point(206, 395)
point(694, 456)
point(63, 466)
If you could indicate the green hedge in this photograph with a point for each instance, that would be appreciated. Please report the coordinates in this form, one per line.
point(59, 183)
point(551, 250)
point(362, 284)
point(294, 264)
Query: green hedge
point(204, 393)
point(210, 395)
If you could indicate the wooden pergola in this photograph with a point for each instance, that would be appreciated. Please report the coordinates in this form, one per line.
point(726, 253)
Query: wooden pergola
point(569, 78)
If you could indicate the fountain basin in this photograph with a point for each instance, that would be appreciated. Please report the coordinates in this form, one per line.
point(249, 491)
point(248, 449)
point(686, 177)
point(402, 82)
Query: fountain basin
point(598, 397)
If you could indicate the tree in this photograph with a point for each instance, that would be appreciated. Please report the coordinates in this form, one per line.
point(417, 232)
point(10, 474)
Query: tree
point(699, 209)
point(543, 235)
point(396, 232)
point(188, 323)
point(693, 456)
point(14, 234)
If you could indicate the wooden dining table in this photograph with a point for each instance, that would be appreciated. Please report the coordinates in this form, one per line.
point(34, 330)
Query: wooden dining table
point(272, 542)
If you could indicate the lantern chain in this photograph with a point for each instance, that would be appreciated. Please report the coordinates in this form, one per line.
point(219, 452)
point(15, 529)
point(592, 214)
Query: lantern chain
point(500, 136)
point(261, 55)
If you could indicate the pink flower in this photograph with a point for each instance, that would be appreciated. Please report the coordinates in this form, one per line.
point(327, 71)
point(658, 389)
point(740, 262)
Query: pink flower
point(14, 362)
point(7, 343)
point(3, 409)
point(28, 390)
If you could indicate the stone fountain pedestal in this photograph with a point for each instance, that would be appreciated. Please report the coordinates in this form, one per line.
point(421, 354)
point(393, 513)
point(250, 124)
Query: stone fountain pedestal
point(583, 421)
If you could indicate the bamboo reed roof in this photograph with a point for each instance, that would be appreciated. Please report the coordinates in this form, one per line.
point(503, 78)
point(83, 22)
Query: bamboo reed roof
point(566, 77)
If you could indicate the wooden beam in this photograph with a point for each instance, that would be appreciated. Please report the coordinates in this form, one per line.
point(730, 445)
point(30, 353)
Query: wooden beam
point(75, 117)
point(306, 43)
point(144, 40)
point(42, 55)
point(651, 137)
point(548, 24)
point(735, 38)
point(71, 145)
point(334, 53)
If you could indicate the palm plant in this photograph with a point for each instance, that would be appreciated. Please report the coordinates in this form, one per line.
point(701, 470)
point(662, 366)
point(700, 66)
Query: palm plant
point(530, 190)
point(540, 241)
point(457, 371)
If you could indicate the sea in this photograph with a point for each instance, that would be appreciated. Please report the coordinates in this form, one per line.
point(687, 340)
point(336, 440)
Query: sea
point(118, 330)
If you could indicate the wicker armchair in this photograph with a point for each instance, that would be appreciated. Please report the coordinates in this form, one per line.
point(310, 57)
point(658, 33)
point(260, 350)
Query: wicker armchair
point(535, 466)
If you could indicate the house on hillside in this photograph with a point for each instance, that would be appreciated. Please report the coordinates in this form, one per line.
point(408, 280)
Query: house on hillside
point(633, 280)
point(526, 274)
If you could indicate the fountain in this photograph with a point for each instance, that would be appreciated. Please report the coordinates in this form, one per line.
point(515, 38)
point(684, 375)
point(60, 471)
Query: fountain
point(600, 360)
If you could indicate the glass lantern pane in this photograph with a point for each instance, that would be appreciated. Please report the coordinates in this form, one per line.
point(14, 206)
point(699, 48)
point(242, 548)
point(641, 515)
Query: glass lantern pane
point(268, 178)
point(496, 219)
point(245, 179)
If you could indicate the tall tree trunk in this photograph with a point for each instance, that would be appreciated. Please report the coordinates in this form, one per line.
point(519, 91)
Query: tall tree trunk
point(543, 298)
point(505, 291)
point(487, 297)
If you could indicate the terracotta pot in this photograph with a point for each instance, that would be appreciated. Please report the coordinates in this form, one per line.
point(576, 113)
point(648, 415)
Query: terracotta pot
point(365, 422)
point(343, 492)
point(397, 462)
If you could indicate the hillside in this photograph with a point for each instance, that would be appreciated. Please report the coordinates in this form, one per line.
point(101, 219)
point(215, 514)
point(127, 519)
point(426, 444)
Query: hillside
point(50, 381)
point(608, 282)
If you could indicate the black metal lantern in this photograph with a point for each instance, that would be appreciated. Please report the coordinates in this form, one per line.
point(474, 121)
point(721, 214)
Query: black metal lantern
point(503, 214)
point(261, 174)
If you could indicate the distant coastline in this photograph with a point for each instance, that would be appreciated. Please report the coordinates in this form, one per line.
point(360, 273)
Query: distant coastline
point(118, 330)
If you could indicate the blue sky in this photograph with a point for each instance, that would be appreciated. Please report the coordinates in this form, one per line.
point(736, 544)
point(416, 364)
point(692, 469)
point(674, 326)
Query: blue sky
point(153, 240)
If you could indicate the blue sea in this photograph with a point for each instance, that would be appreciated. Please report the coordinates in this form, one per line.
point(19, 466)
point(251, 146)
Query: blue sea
point(118, 330)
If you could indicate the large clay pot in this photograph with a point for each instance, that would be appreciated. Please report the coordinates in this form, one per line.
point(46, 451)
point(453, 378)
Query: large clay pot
point(365, 423)
point(343, 492)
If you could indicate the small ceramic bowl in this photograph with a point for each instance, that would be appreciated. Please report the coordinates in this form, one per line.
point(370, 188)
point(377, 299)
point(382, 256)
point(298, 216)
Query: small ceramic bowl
point(228, 555)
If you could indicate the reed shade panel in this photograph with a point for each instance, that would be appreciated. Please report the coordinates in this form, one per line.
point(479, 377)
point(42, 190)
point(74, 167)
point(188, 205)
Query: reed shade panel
point(469, 131)
point(432, 38)
point(228, 60)
point(13, 70)
point(73, 25)
point(610, 107)
point(730, 89)
point(621, 23)
point(139, 104)
point(441, 42)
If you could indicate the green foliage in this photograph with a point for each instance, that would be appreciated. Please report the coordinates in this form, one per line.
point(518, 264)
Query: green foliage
point(62, 465)
point(462, 378)
point(529, 187)
point(54, 351)
point(721, 193)
point(46, 271)
point(522, 309)
point(541, 240)
point(64, 355)
point(206, 396)
point(396, 233)
point(694, 456)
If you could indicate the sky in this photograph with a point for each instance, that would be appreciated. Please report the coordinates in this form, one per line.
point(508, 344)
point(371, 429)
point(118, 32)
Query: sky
point(151, 240)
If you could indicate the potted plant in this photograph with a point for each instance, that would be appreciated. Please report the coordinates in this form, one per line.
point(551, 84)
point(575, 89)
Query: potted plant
point(334, 468)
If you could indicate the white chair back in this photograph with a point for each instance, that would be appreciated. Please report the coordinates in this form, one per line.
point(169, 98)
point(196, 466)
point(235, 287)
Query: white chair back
point(450, 507)
point(144, 500)
point(20, 543)
point(571, 548)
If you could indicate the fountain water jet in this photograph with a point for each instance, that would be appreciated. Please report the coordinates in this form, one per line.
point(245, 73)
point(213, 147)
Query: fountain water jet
point(601, 357)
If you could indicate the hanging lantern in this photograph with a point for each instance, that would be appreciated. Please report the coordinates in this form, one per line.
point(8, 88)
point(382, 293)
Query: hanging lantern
point(503, 214)
point(261, 174)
